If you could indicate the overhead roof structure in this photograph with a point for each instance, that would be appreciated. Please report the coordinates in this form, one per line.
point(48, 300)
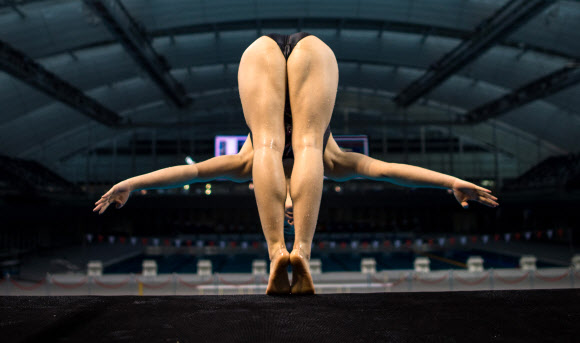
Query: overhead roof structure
point(554, 82)
point(381, 48)
point(24, 68)
point(136, 42)
point(501, 23)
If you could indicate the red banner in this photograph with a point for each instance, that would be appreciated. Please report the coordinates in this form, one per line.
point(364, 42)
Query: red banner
point(112, 285)
point(81, 283)
point(431, 282)
point(395, 283)
point(229, 283)
point(155, 286)
point(551, 278)
point(195, 285)
point(28, 288)
point(471, 282)
point(514, 281)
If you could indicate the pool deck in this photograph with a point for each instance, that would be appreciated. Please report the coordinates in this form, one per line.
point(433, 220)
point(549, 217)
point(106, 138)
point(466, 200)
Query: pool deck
point(560, 255)
point(481, 316)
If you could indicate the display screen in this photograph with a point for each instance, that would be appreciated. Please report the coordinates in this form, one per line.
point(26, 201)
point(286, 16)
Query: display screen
point(231, 145)
point(228, 145)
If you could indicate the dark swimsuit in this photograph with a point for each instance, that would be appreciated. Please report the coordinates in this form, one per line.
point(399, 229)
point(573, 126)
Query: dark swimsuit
point(287, 44)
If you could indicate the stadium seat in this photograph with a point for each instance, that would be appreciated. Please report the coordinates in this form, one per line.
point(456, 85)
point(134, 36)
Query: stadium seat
point(475, 264)
point(528, 262)
point(422, 264)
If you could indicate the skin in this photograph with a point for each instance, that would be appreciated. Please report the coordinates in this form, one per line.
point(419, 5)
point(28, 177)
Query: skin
point(291, 189)
point(338, 166)
point(312, 97)
point(262, 80)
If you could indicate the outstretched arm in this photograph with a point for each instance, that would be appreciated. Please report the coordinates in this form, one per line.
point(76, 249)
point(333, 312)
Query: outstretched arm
point(342, 166)
point(233, 167)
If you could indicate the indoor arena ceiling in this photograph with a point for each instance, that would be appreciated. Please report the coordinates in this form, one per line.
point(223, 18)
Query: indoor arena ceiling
point(450, 55)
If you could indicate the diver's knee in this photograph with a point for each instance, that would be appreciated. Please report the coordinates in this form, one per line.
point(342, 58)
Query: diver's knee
point(308, 141)
point(269, 142)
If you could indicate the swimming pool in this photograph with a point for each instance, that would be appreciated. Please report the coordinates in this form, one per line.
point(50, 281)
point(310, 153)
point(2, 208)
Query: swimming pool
point(331, 262)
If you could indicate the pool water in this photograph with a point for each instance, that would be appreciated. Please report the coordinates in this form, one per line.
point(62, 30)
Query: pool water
point(331, 262)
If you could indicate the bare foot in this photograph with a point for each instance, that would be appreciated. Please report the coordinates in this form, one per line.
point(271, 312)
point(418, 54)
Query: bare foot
point(301, 279)
point(279, 282)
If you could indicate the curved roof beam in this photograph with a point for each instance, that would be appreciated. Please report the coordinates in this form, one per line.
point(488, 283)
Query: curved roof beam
point(112, 61)
point(378, 26)
point(137, 43)
point(534, 90)
point(500, 24)
point(557, 28)
point(14, 5)
point(14, 104)
point(139, 91)
point(26, 69)
point(511, 138)
point(509, 145)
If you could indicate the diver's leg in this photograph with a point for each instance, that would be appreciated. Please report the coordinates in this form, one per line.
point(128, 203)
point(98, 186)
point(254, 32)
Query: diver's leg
point(262, 86)
point(312, 84)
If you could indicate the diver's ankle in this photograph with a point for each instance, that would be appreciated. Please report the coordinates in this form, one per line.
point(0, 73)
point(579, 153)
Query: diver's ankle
point(301, 250)
point(275, 251)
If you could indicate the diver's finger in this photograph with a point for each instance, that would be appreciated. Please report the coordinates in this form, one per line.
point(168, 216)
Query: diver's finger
point(104, 208)
point(488, 202)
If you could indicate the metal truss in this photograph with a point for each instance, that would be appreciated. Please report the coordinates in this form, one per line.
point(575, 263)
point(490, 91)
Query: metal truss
point(493, 29)
point(534, 90)
point(24, 68)
point(137, 43)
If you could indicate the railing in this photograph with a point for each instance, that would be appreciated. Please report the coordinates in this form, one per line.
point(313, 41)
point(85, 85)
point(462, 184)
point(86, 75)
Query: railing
point(220, 284)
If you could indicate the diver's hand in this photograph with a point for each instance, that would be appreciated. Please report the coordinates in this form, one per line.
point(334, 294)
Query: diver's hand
point(118, 194)
point(464, 191)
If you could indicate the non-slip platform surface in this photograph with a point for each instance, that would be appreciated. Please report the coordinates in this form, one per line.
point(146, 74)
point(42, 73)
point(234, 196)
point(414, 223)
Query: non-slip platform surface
point(490, 316)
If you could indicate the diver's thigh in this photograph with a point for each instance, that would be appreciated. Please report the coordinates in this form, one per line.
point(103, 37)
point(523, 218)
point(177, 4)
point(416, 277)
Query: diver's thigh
point(262, 86)
point(312, 84)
